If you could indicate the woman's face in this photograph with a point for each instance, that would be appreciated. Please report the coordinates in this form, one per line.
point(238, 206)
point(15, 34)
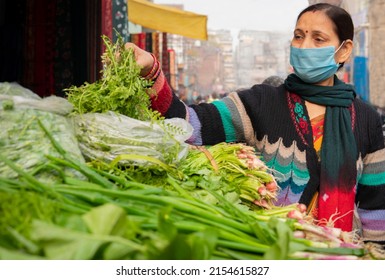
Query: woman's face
point(315, 30)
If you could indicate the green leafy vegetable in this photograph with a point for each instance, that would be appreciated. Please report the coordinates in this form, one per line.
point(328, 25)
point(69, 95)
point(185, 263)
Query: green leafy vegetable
point(121, 88)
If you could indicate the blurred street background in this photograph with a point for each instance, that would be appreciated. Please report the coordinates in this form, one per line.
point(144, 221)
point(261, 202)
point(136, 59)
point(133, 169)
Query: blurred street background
point(207, 47)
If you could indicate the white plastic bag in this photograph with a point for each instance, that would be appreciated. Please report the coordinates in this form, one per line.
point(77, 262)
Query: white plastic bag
point(23, 141)
point(105, 136)
point(19, 97)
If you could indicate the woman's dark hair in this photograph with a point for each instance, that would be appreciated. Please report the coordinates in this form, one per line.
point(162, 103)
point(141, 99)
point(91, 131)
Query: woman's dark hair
point(343, 22)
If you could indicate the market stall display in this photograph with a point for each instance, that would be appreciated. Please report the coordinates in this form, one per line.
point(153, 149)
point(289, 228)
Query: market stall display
point(126, 187)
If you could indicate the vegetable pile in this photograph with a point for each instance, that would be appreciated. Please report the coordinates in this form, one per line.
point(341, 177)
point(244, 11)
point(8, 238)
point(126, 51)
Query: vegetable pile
point(105, 217)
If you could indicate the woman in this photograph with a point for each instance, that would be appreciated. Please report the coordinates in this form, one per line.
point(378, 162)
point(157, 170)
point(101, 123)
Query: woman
point(324, 145)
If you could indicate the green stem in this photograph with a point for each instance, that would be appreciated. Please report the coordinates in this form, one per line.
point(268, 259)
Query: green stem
point(31, 181)
point(235, 238)
point(135, 157)
point(261, 249)
point(180, 204)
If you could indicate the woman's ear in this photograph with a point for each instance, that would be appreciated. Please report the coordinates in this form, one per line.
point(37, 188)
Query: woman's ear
point(345, 51)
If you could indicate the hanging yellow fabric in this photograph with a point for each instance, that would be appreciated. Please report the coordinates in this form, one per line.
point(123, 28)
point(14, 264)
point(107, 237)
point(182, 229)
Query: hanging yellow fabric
point(167, 19)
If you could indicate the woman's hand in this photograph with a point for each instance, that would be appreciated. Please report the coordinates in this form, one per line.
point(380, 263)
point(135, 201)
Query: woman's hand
point(142, 57)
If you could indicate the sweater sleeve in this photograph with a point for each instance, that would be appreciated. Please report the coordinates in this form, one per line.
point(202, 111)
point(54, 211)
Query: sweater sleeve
point(223, 120)
point(164, 100)
point(370, 196)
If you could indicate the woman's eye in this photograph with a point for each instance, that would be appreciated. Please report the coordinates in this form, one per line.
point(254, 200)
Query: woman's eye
point(298, 37)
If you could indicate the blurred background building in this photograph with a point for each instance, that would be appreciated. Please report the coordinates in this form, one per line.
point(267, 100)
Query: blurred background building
point(260, 54)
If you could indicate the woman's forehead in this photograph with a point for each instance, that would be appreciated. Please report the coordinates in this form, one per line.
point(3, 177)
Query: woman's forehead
point(316, 21)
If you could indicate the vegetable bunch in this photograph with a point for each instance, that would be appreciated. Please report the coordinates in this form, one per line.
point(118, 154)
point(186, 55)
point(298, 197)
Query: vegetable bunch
point(111, 137)
point(24, 142)
point(239, 166)
point(121, 89)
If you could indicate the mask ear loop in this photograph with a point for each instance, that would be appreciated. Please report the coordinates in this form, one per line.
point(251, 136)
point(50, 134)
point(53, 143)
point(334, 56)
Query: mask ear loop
point(343, 42)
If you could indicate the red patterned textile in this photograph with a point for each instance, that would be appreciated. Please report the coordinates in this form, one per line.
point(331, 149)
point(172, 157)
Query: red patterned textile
point(40, 42)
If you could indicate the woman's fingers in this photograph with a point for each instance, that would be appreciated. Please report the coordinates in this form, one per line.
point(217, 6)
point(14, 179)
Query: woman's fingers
point(142, 57)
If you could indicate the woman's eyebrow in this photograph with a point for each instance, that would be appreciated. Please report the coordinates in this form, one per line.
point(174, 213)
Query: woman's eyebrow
point(298, 30)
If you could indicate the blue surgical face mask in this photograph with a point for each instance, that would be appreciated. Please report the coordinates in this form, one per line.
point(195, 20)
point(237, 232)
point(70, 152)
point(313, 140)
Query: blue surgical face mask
point(313, 65)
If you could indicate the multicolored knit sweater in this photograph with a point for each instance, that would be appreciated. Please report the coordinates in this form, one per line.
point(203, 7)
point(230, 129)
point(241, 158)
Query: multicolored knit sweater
point(276, 123)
